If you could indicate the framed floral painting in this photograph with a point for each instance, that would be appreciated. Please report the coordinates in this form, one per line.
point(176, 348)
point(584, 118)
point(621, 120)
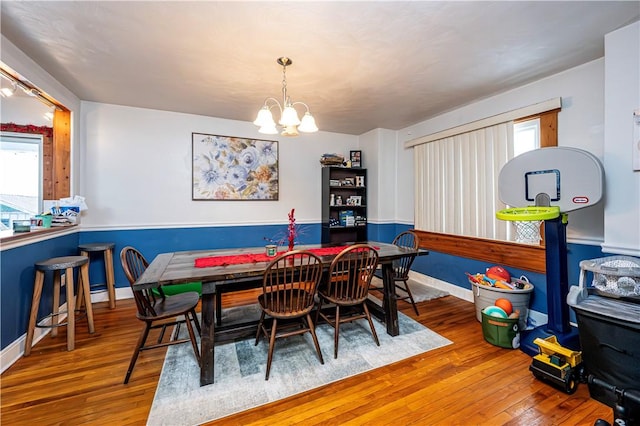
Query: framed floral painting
point(231, 168)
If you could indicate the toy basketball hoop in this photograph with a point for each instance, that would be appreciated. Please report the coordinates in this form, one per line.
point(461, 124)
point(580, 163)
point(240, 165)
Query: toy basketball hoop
point(551, 181)
point(566, 179)
point(527, 221)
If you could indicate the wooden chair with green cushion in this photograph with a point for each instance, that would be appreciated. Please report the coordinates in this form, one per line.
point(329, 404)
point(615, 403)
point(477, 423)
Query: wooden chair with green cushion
point(159, 311)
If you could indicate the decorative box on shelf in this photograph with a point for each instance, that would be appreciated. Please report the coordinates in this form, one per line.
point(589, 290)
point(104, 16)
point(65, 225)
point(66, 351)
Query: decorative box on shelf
point(332, 160)
point(361, 221)
point(347, 218)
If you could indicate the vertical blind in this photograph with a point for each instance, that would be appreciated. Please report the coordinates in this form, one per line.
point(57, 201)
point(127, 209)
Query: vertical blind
point(456, 190)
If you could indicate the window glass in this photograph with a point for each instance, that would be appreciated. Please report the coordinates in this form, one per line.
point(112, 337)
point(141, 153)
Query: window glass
point(21, 177)
point(526, 136)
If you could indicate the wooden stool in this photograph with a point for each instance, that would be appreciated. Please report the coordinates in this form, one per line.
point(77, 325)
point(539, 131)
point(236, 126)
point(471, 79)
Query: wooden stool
point(107, 248)
point(58, 264)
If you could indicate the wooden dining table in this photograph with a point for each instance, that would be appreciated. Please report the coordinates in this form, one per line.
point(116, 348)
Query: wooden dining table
point(179, 267)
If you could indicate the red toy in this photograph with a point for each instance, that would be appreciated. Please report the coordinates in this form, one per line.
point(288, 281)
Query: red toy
point(498, 273)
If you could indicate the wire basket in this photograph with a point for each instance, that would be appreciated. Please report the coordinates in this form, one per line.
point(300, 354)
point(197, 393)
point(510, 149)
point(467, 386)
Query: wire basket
point(614, 275)
point(527, 232)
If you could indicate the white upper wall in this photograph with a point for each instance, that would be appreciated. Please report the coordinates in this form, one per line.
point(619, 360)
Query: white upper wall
point(24, 110)
point(136, 170)
point(580, 125)
point(622, 98)
point(379, 157)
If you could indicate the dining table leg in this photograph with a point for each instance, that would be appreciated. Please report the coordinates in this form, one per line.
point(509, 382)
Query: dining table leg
point(390, 302)
point(207, 341)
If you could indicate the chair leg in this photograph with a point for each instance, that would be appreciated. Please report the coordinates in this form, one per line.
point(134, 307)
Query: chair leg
point(312, 330)
point(373, 329)
point(336, 332)
point(272, 343)
point(192, 336)
point(55, 311)
point(406, 288)
point(71, 310)
point(177, 328)
point(141, 341)
point(83, 283)
point(218, 302)
point(195, 321)
point(260, 323)
point(111, 287)
point(33, 317)
point(164, 329)
point(318, 310)
point(80, 296)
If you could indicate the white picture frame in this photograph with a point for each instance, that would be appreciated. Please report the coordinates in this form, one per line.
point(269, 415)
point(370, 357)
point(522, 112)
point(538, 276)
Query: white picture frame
point(355, 200)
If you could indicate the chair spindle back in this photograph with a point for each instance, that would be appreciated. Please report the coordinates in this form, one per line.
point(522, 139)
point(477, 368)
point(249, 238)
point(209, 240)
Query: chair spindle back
point(134, 264)
point(407, 240)
point(351, 272)
point(290, 282)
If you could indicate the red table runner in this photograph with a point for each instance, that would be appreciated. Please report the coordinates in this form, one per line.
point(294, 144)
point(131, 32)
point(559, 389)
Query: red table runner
point(236, 259)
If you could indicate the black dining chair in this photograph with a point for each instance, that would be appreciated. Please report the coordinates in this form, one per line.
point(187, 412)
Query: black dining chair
point(158, 310)
point(288, 294)
point(347, 288)
point(401, 268)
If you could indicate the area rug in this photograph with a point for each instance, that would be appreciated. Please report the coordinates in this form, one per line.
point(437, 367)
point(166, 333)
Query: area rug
point(420, 292)
point(239, 382)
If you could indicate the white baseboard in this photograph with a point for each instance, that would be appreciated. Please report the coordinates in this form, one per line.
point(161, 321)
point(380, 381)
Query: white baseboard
point(15, 350)
point(103, 295)
point(452, 289)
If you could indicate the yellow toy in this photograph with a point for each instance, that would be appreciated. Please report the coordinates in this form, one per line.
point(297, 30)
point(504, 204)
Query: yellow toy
point(556, 364)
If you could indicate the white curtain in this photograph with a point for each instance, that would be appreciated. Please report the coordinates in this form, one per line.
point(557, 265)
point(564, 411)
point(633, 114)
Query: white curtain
point(456, 189)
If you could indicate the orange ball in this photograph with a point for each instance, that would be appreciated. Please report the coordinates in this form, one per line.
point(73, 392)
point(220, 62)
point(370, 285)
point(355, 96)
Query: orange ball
point(505, 304)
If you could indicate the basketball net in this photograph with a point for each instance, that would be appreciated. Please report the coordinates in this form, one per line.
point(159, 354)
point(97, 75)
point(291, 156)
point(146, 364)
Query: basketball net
point(528, 231)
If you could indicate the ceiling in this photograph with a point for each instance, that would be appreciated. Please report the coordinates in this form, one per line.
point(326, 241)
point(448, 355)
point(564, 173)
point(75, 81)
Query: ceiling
point(358, 65)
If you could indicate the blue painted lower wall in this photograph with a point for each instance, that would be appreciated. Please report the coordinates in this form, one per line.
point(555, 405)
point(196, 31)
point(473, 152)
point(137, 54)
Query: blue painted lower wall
point(16, 285)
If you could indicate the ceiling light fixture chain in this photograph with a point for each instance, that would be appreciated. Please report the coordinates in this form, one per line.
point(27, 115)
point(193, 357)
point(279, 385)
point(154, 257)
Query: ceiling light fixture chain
point(284, 62)
point(289, 120)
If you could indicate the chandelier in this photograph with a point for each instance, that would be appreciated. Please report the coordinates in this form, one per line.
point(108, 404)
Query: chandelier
point(289, 120)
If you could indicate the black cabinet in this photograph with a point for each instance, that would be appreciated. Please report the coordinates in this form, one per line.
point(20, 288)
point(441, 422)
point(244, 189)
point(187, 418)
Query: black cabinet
point(344, 204)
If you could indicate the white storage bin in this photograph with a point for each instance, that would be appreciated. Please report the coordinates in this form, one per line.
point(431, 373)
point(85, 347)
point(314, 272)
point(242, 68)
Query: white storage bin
point(484, 295)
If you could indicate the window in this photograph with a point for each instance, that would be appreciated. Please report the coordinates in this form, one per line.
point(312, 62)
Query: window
point(526, 136)
point(457, 175)
point(458, 193)
point(54, 174)
point(21, 183)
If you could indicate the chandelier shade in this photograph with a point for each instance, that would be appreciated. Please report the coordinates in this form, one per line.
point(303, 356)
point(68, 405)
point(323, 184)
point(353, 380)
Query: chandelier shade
point(308, 124)
point(289, 120)
point(264, 118)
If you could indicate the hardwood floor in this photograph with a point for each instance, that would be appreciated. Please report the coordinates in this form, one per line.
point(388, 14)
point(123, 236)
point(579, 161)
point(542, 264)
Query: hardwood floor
point(467, 383)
